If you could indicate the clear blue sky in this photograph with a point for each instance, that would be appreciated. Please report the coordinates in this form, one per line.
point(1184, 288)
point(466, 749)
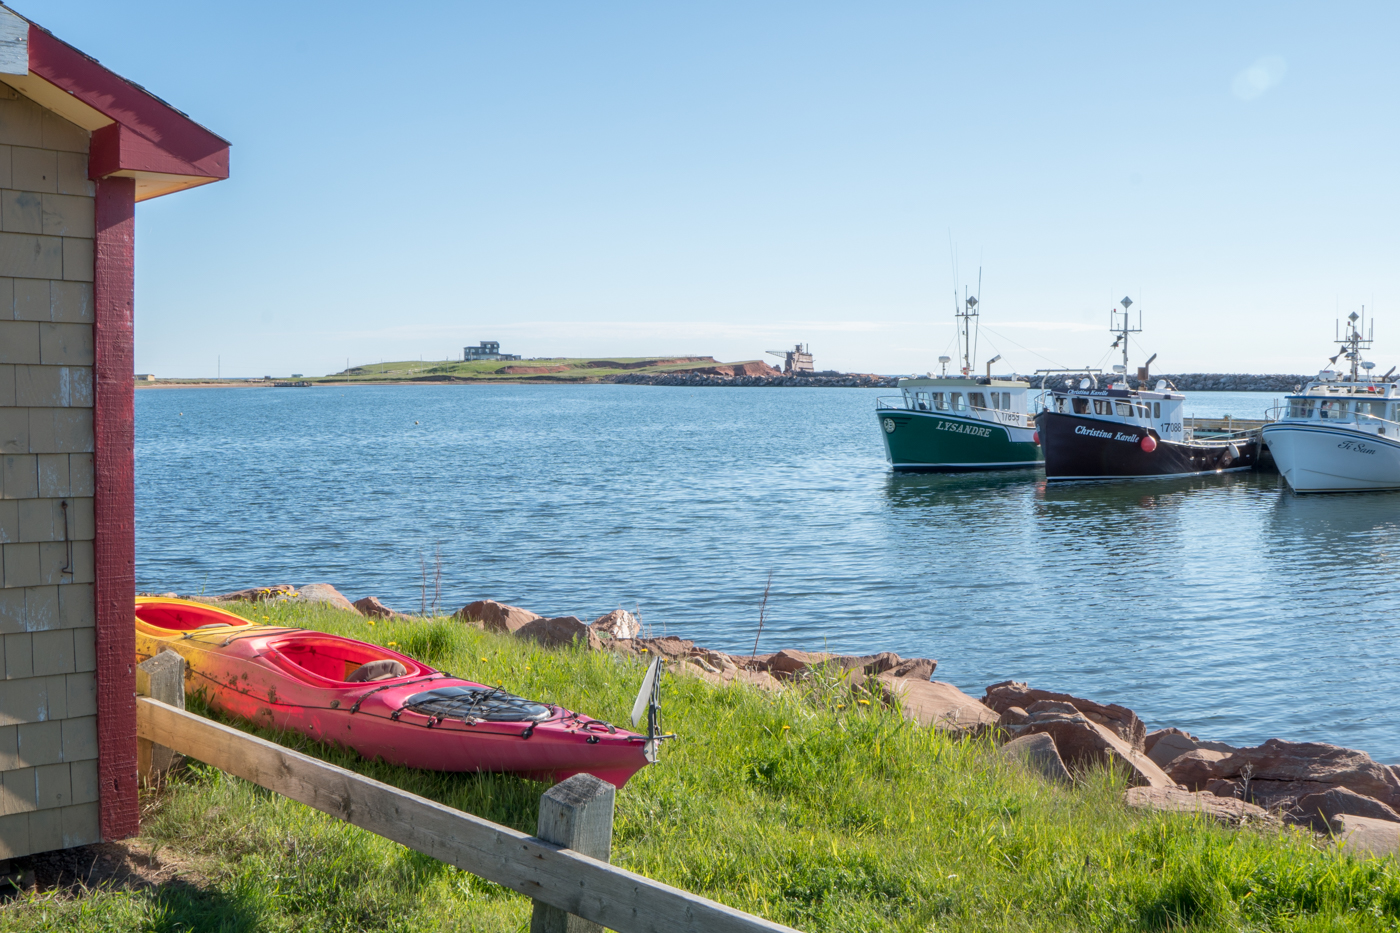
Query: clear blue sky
point(620, 178)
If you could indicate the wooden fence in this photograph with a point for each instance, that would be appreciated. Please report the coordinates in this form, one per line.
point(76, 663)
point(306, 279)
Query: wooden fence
point(574, 815)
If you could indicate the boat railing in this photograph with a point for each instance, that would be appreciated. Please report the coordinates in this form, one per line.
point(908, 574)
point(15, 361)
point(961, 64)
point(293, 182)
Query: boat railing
point(896, 402)
point(1394, 425)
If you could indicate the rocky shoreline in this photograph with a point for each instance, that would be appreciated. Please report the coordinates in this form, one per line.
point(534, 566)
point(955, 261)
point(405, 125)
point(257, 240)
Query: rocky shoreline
point(836, 381)
point(1325, 788)
point(1185, 382)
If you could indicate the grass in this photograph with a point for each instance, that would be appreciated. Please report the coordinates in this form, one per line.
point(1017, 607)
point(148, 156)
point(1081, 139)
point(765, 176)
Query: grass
point(801, 807)
point(575, 369)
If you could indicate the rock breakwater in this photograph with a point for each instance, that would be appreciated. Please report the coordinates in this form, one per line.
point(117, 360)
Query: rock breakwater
point(1229, 382)
point(1185, 382)
point(841, 381)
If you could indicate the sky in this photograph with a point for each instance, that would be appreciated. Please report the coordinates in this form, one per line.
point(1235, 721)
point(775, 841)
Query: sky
point(633, 179)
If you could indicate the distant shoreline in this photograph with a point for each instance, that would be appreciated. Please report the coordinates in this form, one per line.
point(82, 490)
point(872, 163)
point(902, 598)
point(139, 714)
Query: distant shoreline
point(1185, 382)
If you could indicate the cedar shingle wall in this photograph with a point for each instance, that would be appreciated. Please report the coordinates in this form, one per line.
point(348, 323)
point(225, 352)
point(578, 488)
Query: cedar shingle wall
point(48, 721)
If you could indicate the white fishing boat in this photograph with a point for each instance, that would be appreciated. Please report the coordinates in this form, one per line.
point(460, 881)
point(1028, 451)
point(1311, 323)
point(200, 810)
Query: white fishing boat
point(1341, 433)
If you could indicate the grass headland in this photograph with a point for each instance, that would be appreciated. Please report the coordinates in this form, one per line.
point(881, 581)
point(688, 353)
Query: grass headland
point(566, 370)
point(801, 806)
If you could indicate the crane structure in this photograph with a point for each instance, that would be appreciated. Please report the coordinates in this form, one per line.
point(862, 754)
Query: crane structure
point(796, 361)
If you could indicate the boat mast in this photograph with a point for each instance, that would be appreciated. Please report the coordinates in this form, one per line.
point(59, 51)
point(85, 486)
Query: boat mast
point(967, 326)
point(1122, 331)
point(1354, 342)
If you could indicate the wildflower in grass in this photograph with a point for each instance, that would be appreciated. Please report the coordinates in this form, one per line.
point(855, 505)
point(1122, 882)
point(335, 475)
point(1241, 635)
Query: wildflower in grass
point(369, 622)
point(864, 702)
point(483, 659)
point(786, 728)
point(393, 644)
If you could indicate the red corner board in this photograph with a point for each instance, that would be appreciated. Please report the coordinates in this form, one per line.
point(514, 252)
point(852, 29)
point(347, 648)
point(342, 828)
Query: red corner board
point(114, 492)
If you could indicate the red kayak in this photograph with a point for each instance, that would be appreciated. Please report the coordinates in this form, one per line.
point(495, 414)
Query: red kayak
point(380, 703)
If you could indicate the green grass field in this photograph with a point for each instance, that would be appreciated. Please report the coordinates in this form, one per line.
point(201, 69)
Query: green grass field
point(801, 807)
point(579, 369)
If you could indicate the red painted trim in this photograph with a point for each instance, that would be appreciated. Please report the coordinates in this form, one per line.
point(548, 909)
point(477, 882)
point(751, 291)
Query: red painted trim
point(115, 148)
point(114, 434)
point(153, 131)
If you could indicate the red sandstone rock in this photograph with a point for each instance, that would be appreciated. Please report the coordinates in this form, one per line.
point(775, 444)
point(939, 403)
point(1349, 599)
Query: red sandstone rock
point(1164, 745)
point(789, 662)
point(559, 632)
point(496, 617)
point(669, 647)
point(1014, 716)
point(1196, 768)
point(1039, 754)
point(1322, 810)
point(1366, 837)
point(914, 668)
point(1172, 800)
point(1119, 720)
point(1278, 768)
point(369, 606)
point(324, 593)
point(1084, 743)
point(932, 703)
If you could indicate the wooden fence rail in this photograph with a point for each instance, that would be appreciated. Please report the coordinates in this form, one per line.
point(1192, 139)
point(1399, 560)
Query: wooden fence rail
point(550, 874)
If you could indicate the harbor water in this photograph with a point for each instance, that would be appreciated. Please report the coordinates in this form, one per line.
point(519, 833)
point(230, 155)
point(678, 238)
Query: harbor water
point(1224, 605)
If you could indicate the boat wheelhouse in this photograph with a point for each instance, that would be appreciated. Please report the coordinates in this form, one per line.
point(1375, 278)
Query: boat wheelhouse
point(954, 423)
point(1341, 432)
point(1090, 430)
point(962, 422)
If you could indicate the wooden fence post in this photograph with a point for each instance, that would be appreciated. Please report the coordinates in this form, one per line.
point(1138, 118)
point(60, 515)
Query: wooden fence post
point(576, 814)
point(162, 678)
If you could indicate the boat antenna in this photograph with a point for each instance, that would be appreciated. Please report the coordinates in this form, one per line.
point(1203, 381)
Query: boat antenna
point(967, 326)
point(1121, 331)
point(1356, 340)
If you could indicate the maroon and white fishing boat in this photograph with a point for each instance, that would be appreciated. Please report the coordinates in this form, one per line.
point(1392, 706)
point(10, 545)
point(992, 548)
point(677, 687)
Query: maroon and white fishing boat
point(1093, 426)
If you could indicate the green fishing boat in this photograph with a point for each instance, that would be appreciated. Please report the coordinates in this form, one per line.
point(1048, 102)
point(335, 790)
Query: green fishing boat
point(946, 423)
point(960, 422)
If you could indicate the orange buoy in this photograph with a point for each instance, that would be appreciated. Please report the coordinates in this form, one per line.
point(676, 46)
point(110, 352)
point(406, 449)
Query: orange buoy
point(1148, 443)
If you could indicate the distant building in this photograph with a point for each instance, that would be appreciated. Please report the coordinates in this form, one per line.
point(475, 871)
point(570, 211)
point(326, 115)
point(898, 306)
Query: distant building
point(145, 377)
point(296, 375)
point(795, 361)
point(489, 350)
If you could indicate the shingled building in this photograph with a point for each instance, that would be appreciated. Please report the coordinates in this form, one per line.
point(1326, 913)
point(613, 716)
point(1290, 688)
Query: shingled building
point(79, 147)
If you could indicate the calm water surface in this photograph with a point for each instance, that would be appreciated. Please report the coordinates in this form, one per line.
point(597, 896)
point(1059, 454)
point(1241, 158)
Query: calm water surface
point(1224, 605)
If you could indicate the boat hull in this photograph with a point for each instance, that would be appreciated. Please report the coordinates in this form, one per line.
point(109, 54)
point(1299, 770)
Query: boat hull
point(932, 442)
point(243, 670)
point(1317, 458)
point(1090, 448)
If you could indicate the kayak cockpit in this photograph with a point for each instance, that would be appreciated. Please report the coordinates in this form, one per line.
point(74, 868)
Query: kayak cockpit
point(173, 615)
point(322, 660)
